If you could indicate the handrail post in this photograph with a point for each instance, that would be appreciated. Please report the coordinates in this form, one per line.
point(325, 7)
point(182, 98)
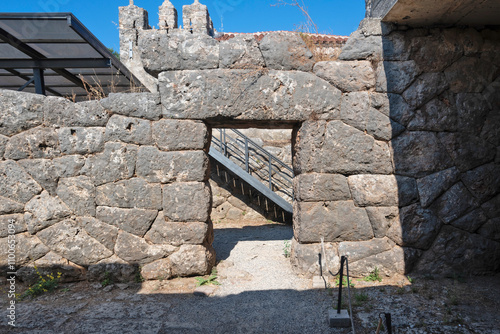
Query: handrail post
point(225, 144)
point(270, 172)
point(247, 157)
point(341, 278)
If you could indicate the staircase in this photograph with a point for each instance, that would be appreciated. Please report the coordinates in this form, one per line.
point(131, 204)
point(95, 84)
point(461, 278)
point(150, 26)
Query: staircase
point(268, 180)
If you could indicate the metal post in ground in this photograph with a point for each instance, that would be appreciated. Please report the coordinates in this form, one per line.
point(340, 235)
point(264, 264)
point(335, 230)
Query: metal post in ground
point(341, 317)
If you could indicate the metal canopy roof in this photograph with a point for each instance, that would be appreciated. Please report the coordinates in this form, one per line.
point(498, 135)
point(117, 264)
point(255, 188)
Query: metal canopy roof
point(55, 54)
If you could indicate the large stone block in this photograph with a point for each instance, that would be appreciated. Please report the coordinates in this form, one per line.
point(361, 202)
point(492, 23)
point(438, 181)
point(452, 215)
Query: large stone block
point(187, 201)
point(20, 111)
point(439, 114)
point(192, 260)
point(34, 143)
point(360, 47)
point(445, 51)
point(157, 166)
point(115, 163)
point(348, 76)
point(12, 224)
point(81, 140)
point(492, 207)
point(469, 74)
point(43, 211)
point(129, 130)
point(355, 152)
point(140, 105)
point(8, 206)
point(286, 51)
point(333, 221)
point(395, 76)
point(382, 218)
point(3, 144)
point(491, 128)
point(432, 186)
point(491, 229)
point(179, 135)
point(472, 112)
point(43, 172)
point(16, 184)
point(157, 270)
point(247, 95)
point(132, 193)
point(112, 267)
point(61, 112)
point(68, 165)
point(484, 181)
point(135, 221)
point(104, 233)
point(305, 258)
point(240, 52)
point(426, 87)
point(467, 151)
point(177, 233)
point(393, 106)
point(374, 190)
point(136, 250)
point(316, 187)
point(29, 248)
point(72, 242)
point(79, 194)
point(472, 221)
point(454, 203)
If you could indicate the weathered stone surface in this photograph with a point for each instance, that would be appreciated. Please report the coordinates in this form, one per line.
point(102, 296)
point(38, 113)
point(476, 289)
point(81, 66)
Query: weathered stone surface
point(467, 151)
point(348, 76)
point(380, 126)
point(458, 251)
point(29, 248)
point(192, 260)
point(305, 258)
point(43, 172)
point(34, 143)
point(157, 166)
point(160, 269)
point(140, 105)
point(81, 140)
point(395, 76)
point(316, 187)
point(3, 144)
point(418, 154)
point(432, 186)
point(472, 111)
point(53, 263)
point(471, 221)
point(129, 130)
point(11, 224)
point(8, 206)
point(247, 95)
point(439, 114)
point(491, 229)
point(179, 135)
point(418, 227)
point(113, 267)
point(135, 250)
point(359, 47)
point(286, 51)
point(491, 128)
point(382, 218)
point(407, 190)
point(490, 94)
point(79, 194)
point(61, 112)
point(132, 193)
point(177, 50)
point(425, 88)
point(359, 250)
point(492, 207)
point(240, 52)
point(20, 111)
point(135, 221)
point(469, 74)
point(69, 165)
point(16, 184)
point(484, 181)
point(334, 221)
point(72, 242)
point(455, 202)
point(43, 211)
point(187, 201)
point(374, 190)
point(354, 151)
point(393, 106)
point(115, 163)
point(443, 50)
point(104, 233)
point(175, 233)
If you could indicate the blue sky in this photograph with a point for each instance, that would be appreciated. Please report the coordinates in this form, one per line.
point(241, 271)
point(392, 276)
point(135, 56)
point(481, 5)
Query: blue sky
point(339, 17)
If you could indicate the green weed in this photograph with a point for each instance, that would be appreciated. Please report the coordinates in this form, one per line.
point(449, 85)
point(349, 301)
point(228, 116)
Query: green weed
point(286, 248)
point(212, 279)
point(373, 276)
point(44, 284)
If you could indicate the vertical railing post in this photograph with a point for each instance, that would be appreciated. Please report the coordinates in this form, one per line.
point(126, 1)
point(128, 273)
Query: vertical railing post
point(270, 172)
point(225, 144)
point(341, 278)
point(247, 156)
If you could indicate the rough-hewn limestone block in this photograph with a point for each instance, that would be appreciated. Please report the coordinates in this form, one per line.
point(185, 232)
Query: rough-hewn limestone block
point(157, 166)
point(53, 263)
point(361, 249)
point(374, 190)
point(286, 51)
point(115, 163)
point(72, 242)
point(418, 227)
point(455, 202)
point(348, 76)
point(61, 112)
point(104, 233)
point(467, 151)
point(176, 233)
point(469, 74)
point(160, 269)
point(79, 194)
point(484, 181)
point(29, 248)
point(3, 144)
point(305, 258)
point(491, 130)
point(16, 220)
point(177, 50)
point(316, 187)
point(134, 249)
point(359, 47)
point(439, 114)
point(491, 229)
point(471, 221)
point(43, 172)
point(129, 130)
point(443, 50)
point(187, 201)
point(472, 110)
point(81, 140)
point(418, 154)
point(133, 193)
point(35, 143)
point(382, 218)
point(395, 76)
point(69, 165)
point(354, 151)
point(240, 52)
point(16, 184)
point(8, 206)
point(393, 106)
point(192, 260)
point(20, 111)
point(492, 207)
point(458, 251)
point(43, 211)
point(140, 105)
point(335, 221)
point(178, 135)
point(490, 94)
point(425, 88)
point(135, 221)
point(432, 186)
point(119, 270)
point(247, 95)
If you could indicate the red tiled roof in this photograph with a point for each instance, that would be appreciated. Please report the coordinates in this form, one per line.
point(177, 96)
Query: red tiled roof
point(316, 38)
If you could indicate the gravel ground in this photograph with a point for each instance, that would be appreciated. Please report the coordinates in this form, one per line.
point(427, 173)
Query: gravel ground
point(259, 293)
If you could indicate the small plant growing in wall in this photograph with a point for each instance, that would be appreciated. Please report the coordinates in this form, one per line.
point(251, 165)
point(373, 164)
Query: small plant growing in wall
point(44, 284)
point(107, 279)
point(286, 248)
point(212, 279)
point(374, 276)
